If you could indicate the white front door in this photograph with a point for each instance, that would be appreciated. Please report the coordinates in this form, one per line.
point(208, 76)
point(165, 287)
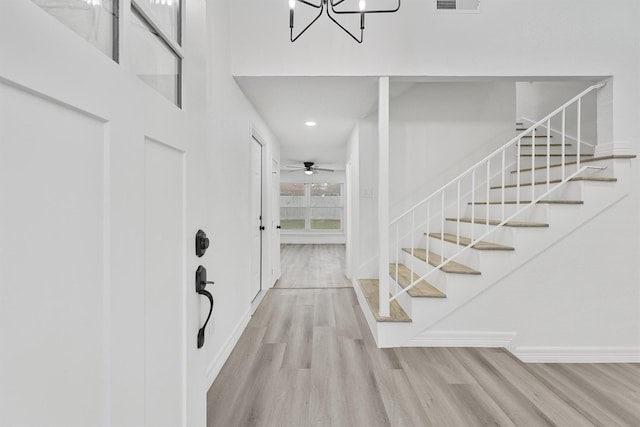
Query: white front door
point(93, 287)
point(256, 218)
point(164, 285)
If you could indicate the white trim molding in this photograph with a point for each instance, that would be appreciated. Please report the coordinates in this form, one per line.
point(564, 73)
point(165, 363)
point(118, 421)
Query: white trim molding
point(219, 360)
point(616, 148)
point(578, 354)
point(463, 339)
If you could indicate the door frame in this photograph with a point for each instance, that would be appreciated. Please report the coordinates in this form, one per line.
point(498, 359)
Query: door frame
point(255, 137)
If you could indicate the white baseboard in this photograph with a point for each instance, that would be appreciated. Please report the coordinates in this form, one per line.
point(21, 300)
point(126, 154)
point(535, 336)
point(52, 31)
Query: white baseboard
point(619, 148)
point(218, 362)
point(462, 339)
point(578, 354)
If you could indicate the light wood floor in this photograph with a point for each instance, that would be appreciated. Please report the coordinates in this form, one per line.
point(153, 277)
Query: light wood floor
point(307, 358)
point(312, 266)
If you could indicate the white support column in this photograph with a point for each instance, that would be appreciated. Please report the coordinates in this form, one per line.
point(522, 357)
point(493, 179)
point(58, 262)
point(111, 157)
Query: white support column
point(383, 194)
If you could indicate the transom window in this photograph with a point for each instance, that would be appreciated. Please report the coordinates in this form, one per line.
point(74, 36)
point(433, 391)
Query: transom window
point(311, 206)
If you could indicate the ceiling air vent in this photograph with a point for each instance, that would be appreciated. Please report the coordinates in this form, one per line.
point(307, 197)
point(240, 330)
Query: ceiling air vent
point(458, 5)
point(446, 4)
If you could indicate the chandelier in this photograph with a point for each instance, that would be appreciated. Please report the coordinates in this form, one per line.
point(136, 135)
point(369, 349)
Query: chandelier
point(332, 12)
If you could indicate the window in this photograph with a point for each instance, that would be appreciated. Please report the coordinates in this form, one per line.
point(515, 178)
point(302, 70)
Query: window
point(156, 56)
point(311, 206)
point(94, 20)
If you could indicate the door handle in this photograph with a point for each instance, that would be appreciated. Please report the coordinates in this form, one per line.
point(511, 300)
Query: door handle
point(278, 227)
point(201, 282)
point(261, 227)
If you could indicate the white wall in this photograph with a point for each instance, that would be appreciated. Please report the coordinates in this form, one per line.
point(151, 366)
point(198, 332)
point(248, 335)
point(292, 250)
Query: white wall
point(439, 130)
point(352, 156)
point(535, 100)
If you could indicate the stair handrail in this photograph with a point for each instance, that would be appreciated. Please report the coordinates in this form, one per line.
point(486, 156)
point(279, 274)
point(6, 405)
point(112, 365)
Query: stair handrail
point(504, 147)
point(520, 206)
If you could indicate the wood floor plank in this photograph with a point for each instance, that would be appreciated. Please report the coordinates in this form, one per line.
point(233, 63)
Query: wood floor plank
point(557, 410)
point(599, 408)
point(497, 386)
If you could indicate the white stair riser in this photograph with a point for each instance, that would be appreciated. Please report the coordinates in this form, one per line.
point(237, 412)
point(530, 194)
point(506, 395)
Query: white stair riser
point(525, 161)
point(543, 149)
point(502, 235)
point(437, 278)
point(570, 191)
point(536, 213)
point(556, 173)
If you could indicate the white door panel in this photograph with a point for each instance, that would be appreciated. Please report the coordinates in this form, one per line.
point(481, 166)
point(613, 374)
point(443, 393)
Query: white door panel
point(53, 346)
point(164, 286)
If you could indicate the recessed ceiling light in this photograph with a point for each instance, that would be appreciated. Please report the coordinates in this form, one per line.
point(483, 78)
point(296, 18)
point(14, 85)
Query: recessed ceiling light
point(310, 123)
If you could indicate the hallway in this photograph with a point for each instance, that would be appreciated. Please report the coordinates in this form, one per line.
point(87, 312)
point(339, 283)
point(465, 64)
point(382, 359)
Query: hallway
point(312, 266)
point(307, 358)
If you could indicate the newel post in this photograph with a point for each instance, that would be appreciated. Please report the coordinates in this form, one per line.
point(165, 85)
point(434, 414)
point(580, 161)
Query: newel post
point(383, 194)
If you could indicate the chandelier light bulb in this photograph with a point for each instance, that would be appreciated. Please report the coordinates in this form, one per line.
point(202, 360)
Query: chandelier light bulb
point(362, 5)
point(292, 4)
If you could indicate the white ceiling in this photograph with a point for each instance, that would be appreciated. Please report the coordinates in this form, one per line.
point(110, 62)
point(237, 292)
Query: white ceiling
point(335, 103)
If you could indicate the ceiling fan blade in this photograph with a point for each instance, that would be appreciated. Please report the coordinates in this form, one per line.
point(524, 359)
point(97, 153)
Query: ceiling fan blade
point(323, 169)
point(294, 166)
point(295, 170)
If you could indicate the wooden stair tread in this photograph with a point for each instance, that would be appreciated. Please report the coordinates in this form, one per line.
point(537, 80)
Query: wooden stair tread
point(434, 260)
point(524, 202)
point(370, 289)
point(543, 144)
point(464, 241)
point(556, 181)
point(496, 222)
point(592, 159)
point(422, 289)
point(556, 155)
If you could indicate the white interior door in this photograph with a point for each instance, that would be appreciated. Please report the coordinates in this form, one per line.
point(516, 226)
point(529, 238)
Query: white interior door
point(256, 218)
point(275, 221)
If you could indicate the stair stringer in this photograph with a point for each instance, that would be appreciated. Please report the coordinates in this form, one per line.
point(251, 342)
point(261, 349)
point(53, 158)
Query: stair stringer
point(462, 289)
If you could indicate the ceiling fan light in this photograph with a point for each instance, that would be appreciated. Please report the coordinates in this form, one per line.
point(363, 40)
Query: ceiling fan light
point(292, 4)
point(308, 172)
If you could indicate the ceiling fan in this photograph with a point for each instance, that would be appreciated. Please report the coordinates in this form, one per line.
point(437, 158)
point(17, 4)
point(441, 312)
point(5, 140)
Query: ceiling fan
point(308, 168)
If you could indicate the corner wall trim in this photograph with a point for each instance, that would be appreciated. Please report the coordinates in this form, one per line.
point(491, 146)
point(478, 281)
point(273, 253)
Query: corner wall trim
point(218, 362)
point(463, 339)
point(578, 354)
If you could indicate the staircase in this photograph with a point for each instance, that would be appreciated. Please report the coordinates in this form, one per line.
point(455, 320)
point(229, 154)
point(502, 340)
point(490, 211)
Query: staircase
point(489, 221)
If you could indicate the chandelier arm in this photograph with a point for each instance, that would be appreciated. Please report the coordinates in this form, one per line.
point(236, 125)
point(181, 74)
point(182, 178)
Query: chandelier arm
point(343, 12)
point(310, 24)
point(345, 30)
point(317, 6)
